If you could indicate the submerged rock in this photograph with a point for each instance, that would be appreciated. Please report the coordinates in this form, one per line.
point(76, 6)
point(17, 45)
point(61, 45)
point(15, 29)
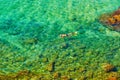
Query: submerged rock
point(108, 67)
point(69, 34)
point(112, 20)
point(51, 66)
point(56, 75)
point(113, 76)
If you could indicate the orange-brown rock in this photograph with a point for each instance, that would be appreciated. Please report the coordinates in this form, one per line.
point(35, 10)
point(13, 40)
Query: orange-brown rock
point(108, 67)
point(65, 78)
point(117, 12)
point(24, 72)
point(113, 76)
point(51, 66)
point(112, 20)
point(56, 75)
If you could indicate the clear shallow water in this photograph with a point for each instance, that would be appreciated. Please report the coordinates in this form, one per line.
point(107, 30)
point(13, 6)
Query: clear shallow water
point(30, 38)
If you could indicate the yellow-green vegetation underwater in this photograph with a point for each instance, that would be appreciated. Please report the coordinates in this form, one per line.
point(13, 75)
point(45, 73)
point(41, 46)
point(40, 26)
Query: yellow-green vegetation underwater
point(58, 40)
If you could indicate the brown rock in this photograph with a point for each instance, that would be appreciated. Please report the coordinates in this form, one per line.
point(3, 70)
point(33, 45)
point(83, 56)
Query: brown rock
point(108, 67)
point(56, 75)
point(65, 78)
point(113, 76)
point(51, 66)
point(117, 12)
point(112, 20)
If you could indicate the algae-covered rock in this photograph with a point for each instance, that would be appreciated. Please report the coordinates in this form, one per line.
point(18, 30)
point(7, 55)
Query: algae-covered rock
point(113, 76)
point(111, 20)
point(51, 66)
point(65, 78)
point(30, 41)
point(108, 67)
point(56, 75)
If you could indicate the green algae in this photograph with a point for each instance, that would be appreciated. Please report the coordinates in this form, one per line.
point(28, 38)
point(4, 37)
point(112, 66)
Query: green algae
point(30, 39)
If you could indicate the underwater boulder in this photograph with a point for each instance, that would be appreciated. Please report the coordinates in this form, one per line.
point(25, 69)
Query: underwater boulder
point(111, 20)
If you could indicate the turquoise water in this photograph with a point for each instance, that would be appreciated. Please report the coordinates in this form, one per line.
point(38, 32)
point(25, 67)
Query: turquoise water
point(30, 38)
